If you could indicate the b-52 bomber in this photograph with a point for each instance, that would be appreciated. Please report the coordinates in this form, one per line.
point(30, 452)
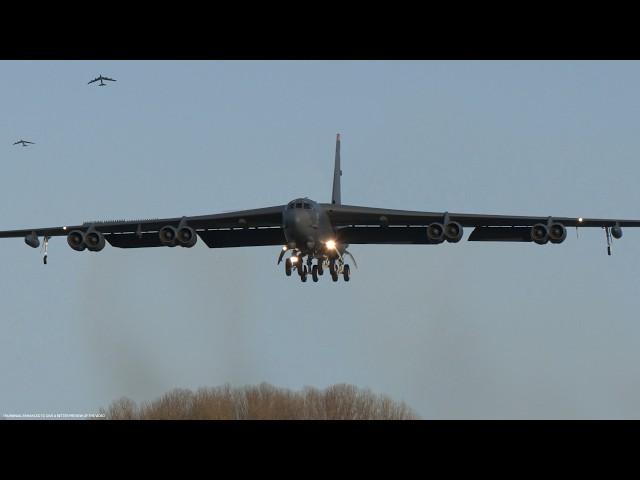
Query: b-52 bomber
point(314, 236)
point(25, 143)
point(101, 78)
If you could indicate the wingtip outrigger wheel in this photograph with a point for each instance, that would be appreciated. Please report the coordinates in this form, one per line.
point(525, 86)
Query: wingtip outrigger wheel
point(45, 246)
point(608, 235)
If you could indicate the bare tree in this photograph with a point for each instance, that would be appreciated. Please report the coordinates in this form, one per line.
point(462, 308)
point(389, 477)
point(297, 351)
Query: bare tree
point(264, 402)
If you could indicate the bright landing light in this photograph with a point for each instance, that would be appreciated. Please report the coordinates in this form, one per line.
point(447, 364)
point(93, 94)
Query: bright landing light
point(331, 244)
point(294, 259)
point(580, 219)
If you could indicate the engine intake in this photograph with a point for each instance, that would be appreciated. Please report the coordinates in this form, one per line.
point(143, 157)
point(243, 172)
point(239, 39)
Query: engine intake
point(453, 232)
point(94, 240)
point(435, 233)
point(557, 233)
point(540, 233)
point(75, 239)
point(168, 235)
point(187, 237)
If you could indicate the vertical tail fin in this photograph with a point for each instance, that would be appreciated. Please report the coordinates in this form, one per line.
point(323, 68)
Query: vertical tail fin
point(337, 173)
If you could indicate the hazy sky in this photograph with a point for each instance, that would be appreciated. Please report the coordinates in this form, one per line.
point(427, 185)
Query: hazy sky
point(467, 330)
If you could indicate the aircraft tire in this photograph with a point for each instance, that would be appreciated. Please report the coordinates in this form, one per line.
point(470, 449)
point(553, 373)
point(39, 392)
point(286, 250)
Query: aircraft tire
point(346, 272)
point(314, 273)
point(287, 267)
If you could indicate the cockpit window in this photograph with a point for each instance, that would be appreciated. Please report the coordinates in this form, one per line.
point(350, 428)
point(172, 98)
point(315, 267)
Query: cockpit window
point(298, 205)
point(306, 205)
point(291, 205)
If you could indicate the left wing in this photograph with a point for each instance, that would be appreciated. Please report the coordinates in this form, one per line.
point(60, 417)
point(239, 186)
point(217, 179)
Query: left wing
point(107, 78)
point(262, 226)
point(355, 224)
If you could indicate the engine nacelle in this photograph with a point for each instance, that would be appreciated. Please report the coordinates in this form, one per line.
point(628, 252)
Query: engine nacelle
point(187, 237)
point(453, 232)
point(94, 240)
point(168, 236)
point(557, 233)
point(75, 239)
point(435, 233)
point(616, 232)
point(32, 240)
point(540, 233)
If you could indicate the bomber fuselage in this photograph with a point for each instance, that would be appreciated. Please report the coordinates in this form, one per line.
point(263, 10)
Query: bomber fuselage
point(306, 225)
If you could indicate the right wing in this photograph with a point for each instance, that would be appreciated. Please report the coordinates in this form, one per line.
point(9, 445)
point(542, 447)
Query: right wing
point(262, 226)
point(94, 80)
point(355, 224)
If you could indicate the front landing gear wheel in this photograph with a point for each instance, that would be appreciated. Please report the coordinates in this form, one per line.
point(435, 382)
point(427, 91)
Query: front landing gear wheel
point(303, 274)
point(314, 273)
point(287, 267)
point(345, 272)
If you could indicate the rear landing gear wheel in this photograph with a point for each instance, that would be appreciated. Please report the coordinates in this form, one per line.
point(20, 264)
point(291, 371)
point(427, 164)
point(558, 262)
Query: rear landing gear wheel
point(320, 269)
point(345, 272)
point(287, 267)
point(303, 274)
point(314, 273)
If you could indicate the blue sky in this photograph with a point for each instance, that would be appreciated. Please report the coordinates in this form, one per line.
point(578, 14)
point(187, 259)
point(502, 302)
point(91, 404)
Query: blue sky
point(468, 330)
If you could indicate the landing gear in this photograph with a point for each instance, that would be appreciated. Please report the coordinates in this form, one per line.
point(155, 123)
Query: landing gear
point(287, 267)
point(46, 249)
point(306, 264)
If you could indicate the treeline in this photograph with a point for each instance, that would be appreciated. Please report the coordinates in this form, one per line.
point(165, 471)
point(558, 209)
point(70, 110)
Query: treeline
point(263, 402)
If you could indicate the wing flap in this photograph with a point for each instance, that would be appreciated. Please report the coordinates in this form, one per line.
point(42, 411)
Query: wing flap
point(249, 237)
point(382, 235)
point(500, 234)
point(132, 240)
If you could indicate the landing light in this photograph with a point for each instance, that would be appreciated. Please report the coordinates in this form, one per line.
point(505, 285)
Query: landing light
point(284, 249)
point(331, 244)
point(294, 259)
point(580, 219)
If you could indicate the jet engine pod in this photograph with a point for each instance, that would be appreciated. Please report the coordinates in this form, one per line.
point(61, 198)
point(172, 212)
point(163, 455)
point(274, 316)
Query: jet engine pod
point(32, 240)
point(616, 232)
point(75, 239)
point(540, 233)
point(94, 240)
point(435, 233)
point(168, 236)
point(557, 233)
point(453, 232)
point(187, 237)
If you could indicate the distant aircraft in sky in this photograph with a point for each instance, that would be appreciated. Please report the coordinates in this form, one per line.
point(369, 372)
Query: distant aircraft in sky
point(309, 231)
point(101, 78)
point(23, 142)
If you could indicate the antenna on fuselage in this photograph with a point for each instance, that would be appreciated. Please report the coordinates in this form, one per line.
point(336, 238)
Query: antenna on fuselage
point(337, 173)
